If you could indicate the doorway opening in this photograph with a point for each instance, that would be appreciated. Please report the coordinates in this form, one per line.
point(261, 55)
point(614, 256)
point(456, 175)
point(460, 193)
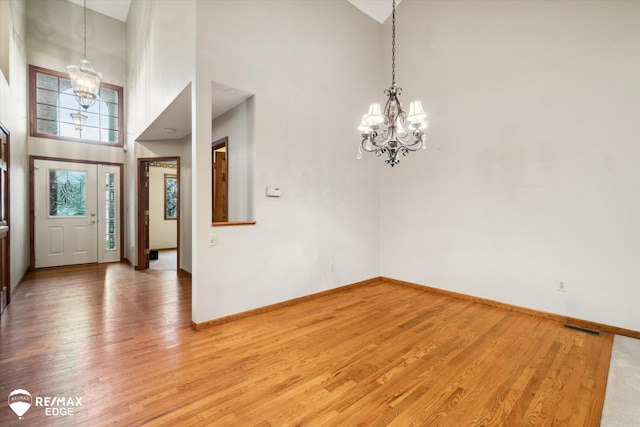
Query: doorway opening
point(219, 180)
point(158, 204)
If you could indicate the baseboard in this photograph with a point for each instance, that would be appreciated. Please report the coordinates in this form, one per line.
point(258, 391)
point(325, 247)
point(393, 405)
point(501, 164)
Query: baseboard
point(221, 320)
point(551, 316)
point(183, 272)
point(15, 288)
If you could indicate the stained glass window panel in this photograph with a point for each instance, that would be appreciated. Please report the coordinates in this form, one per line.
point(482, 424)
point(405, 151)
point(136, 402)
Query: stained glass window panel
point(47, 97)
point(67, 193)
point(109, 95)
point(47, 81)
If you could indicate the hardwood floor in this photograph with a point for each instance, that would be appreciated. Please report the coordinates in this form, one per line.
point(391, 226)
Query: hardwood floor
point(372, 355)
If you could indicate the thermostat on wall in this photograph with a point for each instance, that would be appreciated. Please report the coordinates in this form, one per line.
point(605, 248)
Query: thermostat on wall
point(273, 191)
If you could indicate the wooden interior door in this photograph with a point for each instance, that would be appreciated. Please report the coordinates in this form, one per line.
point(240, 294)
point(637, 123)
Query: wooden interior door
point(143, 215)
point(5, 277)
point(220, 188)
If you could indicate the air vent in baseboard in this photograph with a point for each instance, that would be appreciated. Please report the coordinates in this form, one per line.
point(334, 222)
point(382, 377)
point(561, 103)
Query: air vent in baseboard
point(585, 330)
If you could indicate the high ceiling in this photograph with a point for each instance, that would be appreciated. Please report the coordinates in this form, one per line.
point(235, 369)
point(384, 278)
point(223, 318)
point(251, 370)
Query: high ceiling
point(377, 9)
point(177, 117)
point(119, 9)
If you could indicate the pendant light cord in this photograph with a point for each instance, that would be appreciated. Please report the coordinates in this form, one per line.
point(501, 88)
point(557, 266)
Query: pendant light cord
point(85, 29)
point(393, 46)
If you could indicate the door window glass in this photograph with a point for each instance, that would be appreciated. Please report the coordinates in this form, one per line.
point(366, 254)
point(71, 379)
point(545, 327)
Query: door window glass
point(67, 193)
point(170, 197)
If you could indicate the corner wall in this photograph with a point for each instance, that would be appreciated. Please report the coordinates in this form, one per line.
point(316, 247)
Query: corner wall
point(531, 174)
point(13, 114)
point(311, 66)
point(160, 64)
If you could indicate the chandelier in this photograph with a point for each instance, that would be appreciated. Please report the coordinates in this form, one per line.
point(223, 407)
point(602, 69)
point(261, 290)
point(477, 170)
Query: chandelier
point(85, 81)
point(385, 132)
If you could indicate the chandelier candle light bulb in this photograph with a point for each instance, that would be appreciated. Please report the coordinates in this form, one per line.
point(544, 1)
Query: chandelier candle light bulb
point(383, 132)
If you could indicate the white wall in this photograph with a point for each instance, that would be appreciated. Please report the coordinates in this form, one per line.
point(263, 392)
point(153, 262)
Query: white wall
point(237, 124)
point(160, 63)
point(531, 176)
point(55, 39)
point(311, 66)
point(186, 242)
point(160, 57)
point(13, 114)
point(163, 233)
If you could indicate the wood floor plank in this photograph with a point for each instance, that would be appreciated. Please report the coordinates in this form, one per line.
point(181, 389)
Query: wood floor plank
point(377, 354)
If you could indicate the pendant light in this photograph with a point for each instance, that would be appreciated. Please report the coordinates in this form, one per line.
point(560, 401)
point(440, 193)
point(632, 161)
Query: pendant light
point(393, 131)
point(85, 81)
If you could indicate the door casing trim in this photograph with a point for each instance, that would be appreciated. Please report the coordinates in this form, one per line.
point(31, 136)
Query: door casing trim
point(32, 202)
point(140, 212)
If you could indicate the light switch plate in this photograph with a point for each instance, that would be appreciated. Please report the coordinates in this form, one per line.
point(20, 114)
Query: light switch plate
point(273, 192)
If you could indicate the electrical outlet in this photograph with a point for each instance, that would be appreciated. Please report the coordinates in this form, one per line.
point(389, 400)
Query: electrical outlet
point(562, 287)
point(332, 267)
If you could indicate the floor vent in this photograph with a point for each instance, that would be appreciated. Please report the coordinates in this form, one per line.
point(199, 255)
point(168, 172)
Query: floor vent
point(585, 330)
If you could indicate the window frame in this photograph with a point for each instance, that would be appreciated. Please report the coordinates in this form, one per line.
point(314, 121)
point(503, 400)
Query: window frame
point(33, 130)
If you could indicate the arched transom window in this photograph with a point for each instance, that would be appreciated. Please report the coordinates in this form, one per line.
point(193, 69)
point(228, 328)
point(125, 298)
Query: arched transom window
point(52, 104)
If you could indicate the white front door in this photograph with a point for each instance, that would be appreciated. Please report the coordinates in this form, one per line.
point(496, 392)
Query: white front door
point(66, 216)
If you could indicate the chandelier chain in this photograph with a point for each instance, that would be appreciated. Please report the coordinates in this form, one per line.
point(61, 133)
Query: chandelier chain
point(85, 29)
point(393, 46)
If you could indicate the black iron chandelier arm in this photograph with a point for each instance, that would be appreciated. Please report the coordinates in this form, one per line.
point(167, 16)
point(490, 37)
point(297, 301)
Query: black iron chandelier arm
point(393, 130)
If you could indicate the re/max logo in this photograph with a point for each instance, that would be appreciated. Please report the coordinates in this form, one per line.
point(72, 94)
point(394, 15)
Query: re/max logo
point(58, 401)
point(58, 406)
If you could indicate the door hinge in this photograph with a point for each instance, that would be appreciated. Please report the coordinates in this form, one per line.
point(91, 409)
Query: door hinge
point(147, 251)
